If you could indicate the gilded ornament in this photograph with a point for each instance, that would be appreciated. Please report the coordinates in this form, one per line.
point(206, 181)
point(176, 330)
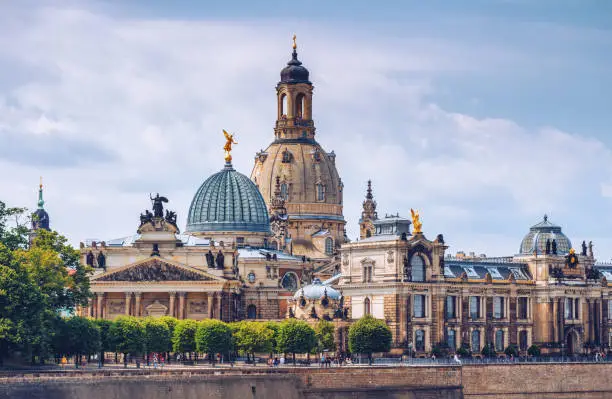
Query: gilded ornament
point(228, 146)
point(416, 222)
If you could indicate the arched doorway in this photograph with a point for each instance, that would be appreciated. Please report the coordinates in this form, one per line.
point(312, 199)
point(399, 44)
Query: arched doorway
point(572, 342)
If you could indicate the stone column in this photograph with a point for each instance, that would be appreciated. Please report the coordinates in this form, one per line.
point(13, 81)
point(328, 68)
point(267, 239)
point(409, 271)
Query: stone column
point(90, 308)
point(219, 296)
point(138, 296)
point(172, 299)
point(209, 301)
point(181, 311)
point(100, 298)
point(128, 302)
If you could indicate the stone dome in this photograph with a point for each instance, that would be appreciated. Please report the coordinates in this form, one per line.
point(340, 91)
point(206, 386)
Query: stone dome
point(228, 201)
point(538, 234)
point(317, 290)
point(294, 72)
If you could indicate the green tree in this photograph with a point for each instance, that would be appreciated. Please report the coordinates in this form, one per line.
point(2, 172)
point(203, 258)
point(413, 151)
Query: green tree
point(534, 350)
point(13, 227)
point(295, 336)
point(183, 340)
point(512, 350)
point(157, 336)
point(488, 350)
point(171, 323)
point(82, 336)
point(369, 335)
point(324, 331)
point(212, 337)
point(129, 335)
point(252, 337)
point(106, 339)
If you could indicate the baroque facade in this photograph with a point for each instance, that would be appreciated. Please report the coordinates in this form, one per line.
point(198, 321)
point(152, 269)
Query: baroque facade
point(249, 245)
point(547, 294)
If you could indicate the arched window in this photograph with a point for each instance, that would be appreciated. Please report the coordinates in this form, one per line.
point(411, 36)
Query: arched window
point(284, 192)
point(320, 192)
point(476, 341)
point(419, 340)
point(450, 339)
point(299, 106)
point(523, 340)
point(283, 105)
point(287, 156)
point(418, 268)
point(499, 340)
point(251, 312)
point(329, 246)
point(366, 307)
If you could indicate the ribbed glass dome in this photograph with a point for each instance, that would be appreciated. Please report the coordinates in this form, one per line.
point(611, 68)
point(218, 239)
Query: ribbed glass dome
point(317, 290)
point(539, 234)
point(228, 201)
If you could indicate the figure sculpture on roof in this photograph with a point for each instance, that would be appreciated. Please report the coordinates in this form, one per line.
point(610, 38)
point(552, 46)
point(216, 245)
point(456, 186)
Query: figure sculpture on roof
point(158, 206)
point(590, 249)
point(89, 259)
point(220, 260)
point(210, 259)
point(584, 248)
point(101, 260)
point(171, 217)
point(416, 221)
point(229, 140)
point(548, 246)
point(554, 247)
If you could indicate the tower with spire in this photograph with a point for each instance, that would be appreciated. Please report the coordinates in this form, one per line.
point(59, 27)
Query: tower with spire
point(304, 172)
point(368, 214)
point(40, 217)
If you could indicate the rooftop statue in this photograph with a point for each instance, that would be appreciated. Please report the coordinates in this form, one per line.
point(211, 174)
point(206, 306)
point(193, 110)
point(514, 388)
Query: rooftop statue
point(228, 146)
point(416, 222)
point(158, 207)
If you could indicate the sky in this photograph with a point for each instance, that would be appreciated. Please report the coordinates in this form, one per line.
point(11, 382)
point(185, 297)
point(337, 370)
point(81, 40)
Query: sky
point(483, 115)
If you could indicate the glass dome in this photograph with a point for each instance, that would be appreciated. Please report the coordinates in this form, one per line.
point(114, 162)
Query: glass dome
point(317, 290)
point(228, 201)
point(535, 240)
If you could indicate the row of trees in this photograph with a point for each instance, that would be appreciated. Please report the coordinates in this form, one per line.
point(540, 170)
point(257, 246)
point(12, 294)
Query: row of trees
point(443, 350)
point(78, 336)
point(38, 283)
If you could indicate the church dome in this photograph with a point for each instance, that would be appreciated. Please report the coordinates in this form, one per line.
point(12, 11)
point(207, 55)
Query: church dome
point(294, 72)
point(317, 290)
point(228, 201)
point(538, 234)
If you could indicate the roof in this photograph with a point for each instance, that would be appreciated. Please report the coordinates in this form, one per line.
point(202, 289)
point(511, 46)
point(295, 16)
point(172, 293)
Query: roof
point(541, 233)
point(317, 290)
point(479, 269)
point(186, 239)
point(228, 201)
point(260, 253)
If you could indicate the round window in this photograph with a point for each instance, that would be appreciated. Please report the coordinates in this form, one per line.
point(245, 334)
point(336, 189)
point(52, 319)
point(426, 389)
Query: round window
point(290, 281)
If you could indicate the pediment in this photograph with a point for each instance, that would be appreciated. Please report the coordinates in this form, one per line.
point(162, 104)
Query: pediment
point(367, 260)
point(156, 270)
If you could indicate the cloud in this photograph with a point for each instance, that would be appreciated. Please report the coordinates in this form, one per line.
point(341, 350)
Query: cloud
point(109, 109)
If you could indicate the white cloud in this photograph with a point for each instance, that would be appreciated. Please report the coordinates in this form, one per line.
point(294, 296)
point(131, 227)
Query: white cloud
point(137, 106)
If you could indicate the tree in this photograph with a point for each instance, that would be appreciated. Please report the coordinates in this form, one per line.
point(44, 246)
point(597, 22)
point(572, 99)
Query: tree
point(13, 227)
point(82, 336)
point(183, 340)
point(512, 350)
point(488, 350)
point(157, 336)
point(212, 337)
point(324, 331)
point(464, 350)
point(171, 323)
point(106, 339)
point(369, 335)
point(129, 335)
point(534, 350)
point(295, 336)
point(252, 337)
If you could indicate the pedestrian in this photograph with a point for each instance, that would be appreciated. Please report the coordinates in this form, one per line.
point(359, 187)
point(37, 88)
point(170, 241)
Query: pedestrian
point(456, 359)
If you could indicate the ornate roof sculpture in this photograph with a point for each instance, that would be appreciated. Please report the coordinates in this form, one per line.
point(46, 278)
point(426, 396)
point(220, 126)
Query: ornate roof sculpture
point(545, 238)
point(294, 72)
point(228, 201)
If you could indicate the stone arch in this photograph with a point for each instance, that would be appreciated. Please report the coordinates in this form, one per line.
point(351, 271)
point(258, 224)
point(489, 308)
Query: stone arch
point(573, 342)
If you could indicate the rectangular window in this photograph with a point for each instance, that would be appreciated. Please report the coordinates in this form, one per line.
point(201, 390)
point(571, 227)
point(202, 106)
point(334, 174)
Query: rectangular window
point(475, 307)
point(450, 339)
point(367, 274)
point(523, 312)
point(523, 340)
point(610, 310)
point(498, 307)
point(577, 308)
point(451, 307)
point(569, 309)
point(419, 306)
point(499, 340)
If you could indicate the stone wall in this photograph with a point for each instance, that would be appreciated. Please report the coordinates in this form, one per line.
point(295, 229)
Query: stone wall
point(516, 381)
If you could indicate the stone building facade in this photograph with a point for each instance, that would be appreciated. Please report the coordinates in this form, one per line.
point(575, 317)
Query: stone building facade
point(547, 294)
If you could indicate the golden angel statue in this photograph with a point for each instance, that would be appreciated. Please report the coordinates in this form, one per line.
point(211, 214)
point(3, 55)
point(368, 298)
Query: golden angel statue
point(416, 222)
point(228, 146)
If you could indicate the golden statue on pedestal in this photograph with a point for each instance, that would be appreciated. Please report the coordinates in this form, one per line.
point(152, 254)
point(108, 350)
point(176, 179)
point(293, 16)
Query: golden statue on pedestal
point(228, 146)
point(416, 222)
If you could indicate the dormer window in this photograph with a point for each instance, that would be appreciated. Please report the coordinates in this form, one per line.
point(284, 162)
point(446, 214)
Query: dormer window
point(287, 156)
point(320, 192)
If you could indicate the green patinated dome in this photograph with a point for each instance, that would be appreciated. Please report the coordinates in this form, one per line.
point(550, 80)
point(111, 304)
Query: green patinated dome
point(228, 201)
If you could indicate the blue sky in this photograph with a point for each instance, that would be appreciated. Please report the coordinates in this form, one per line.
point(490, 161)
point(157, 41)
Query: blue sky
point(482, 114)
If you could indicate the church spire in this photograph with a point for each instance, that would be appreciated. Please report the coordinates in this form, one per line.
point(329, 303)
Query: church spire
point(368, 215)
point(41, 201)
